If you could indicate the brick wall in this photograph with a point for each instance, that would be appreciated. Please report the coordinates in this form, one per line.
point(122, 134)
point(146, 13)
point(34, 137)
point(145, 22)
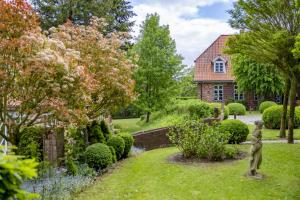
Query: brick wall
point(206, 91)
point(152, 139)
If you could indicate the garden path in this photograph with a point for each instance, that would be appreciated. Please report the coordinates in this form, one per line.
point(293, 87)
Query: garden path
point(248, 119)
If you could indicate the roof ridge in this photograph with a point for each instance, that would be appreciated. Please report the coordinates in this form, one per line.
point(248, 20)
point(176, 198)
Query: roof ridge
point(211, 45)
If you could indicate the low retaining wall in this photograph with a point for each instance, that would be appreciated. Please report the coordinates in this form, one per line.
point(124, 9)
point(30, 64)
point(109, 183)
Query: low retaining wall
point(152, 139)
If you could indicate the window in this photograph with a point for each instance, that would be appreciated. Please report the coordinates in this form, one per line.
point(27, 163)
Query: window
point(219, 65)
point(278, 99)
point(255, 97)
point(238, 95)
point(218, 92)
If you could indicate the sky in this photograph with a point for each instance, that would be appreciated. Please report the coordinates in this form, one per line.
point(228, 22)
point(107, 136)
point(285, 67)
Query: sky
point(194, 24)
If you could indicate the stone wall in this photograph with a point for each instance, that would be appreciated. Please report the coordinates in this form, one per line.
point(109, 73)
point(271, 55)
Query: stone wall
point(152, 139)
point(53, 147)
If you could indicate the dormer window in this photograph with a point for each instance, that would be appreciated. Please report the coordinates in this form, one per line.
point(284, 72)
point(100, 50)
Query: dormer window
point(219, 65)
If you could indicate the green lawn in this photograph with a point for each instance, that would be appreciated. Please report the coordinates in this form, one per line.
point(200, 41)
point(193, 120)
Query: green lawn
point(150, 176)
point(272, 134)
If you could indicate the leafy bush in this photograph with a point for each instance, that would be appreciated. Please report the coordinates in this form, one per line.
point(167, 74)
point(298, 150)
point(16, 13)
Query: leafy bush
point(196, 139)
point(272, 117)
point(95, 134)
point(212, 106)
point(128, 139)
point(237, 129)
point(231, 152)
point(98, 156)
point(266, 104)
point(105, 130)
point(75, 143)
point(71, 167)
point(236, 108)
point(13, 172)
point(113, 153)
point(31, 143)
point(118, 144)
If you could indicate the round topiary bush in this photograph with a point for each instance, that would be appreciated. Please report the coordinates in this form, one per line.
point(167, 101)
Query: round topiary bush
point(128, 139)
point(98, 156)
point(113, 153)
point(266, 104)
point(272, 117)
point(212, 106)
point(118, 144)
point(236, 108)
point(238, 130)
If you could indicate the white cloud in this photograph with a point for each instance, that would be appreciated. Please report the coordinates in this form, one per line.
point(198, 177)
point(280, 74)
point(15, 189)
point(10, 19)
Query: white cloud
point(192, 34)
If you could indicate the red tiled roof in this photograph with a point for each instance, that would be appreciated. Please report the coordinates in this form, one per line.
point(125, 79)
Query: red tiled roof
point(204, 70)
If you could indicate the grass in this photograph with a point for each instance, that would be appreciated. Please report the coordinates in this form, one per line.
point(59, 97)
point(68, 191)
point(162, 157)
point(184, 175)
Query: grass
point(272, 134)
point(150, 176)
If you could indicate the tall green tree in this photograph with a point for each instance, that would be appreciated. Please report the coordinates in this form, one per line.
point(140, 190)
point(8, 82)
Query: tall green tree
point(270, 30)
point(186, 85)
point(158, 66)
point(117, 13)
point(253, 76)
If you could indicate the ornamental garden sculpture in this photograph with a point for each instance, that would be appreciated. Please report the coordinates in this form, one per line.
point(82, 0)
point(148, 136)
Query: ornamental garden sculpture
point(256, 151)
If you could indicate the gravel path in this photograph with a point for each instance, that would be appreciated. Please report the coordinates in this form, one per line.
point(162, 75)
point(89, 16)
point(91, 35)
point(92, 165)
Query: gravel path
point(272, 141)
point(248, 119)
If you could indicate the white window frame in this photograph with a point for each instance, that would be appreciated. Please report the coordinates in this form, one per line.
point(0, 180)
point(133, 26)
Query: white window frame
point(218, 93)
point(238, 96)
point(278, 99)
point(219, 65)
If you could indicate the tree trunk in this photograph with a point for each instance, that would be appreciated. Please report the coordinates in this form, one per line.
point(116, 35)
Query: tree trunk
point(148, 117)
point(292, 110)
point(282, 133)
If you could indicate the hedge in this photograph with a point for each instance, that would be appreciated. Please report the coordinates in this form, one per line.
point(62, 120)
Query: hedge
point(236, 108)
point(266, 104)
point(238, 130)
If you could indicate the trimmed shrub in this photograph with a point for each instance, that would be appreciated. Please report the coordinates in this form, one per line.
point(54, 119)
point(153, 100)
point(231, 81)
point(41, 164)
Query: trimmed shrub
point(95, 134)
point(75, 143)
point(98, 156)
point(118, 144)
point(272, 117)
point(237, 129)
point(105, 130)
point(196, 139)
point(266, 104)
point(212, 106)
point(113, 153)
point(128, 139)
point(31, 143)
point(231, 152)
point(236, 108)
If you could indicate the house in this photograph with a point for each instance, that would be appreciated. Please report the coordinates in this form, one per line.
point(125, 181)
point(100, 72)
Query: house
point(213, 75)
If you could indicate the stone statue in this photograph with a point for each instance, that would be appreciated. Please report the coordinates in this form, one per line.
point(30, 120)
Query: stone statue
point(256, 150)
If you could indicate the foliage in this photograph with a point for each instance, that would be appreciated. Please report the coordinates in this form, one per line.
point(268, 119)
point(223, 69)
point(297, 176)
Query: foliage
point(113, 153)
point(60, 187)
point(237, 129)
point(212, 106)
point(71, 167)
point(253, 76)
point(31, 143)
point(98, 156)
point(158, 65)
point(131, 111)
point(105, 130)
point(270, 37)
point(95, 134)
point(128, 140)
point(266, 104)
point(116, 13)
point(75, 143)
point(187, 87)
point(231, 152)
point(13, 172)
point(196, 139)
point(104, 65)
point(236, 108)
point(118, 144)
point(272, 116)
